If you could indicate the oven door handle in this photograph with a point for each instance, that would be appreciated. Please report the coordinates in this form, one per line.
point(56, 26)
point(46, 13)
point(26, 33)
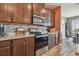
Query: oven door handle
point(41, 36)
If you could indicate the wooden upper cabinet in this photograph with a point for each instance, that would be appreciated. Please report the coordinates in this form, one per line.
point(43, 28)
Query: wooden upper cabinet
point(42, 10)
point(17, 16)
point(22, 13)
point(39, 9)
point(36, 10)
point(27, 17)
point(5, 12)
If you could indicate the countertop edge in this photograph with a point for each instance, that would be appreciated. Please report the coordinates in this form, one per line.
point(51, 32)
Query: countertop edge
point(13, 37)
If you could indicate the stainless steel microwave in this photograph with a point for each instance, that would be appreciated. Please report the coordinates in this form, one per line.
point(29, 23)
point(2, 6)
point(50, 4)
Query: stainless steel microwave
point(38, 20)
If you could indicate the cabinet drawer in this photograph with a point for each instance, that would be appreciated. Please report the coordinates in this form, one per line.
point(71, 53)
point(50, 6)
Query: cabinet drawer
point(4, 43)
point(18, 42)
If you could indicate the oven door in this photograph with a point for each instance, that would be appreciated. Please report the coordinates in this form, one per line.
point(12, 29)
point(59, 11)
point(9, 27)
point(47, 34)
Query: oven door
point(41, 42)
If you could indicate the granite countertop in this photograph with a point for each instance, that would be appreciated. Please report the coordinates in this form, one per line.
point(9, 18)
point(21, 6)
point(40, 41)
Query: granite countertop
point(10, 37)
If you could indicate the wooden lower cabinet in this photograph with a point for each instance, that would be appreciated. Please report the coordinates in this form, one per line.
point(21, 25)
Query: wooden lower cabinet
point(26, 48)
point(31, 46)
point(23, 47)
point(18, 47)
point(5, 49)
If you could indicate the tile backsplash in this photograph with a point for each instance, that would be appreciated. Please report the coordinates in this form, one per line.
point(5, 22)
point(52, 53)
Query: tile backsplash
point(12, 28)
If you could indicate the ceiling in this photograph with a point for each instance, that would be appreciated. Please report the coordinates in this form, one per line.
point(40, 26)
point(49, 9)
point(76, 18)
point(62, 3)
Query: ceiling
point(67, 9)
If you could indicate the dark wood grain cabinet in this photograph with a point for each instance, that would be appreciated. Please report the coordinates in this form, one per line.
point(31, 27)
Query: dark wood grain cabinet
point(40, 10)
point(22, 13)
point(27, 13)
point(36, 10)
point(5, 48)
point(18, 47)
point(5, 12)
point(17, 14)
point(23, 47)
point(31, 46)
point(26, 47)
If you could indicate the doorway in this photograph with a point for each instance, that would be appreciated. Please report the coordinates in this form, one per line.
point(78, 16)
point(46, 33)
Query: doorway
point(72, 32)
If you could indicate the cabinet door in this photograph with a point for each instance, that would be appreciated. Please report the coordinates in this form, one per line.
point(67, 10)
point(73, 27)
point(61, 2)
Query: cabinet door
point(26, 46)
point(5, 51)
point(5, 48)
point(42, 10)
point(17, 16)
point(27, 13)
point(5, 12)
point(36, 10)
point(48, 17)
point(31, 46)
point(39, 9)
point(18, 47)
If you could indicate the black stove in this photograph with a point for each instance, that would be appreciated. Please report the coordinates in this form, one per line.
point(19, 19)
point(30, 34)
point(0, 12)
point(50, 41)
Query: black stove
point(41, 40)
